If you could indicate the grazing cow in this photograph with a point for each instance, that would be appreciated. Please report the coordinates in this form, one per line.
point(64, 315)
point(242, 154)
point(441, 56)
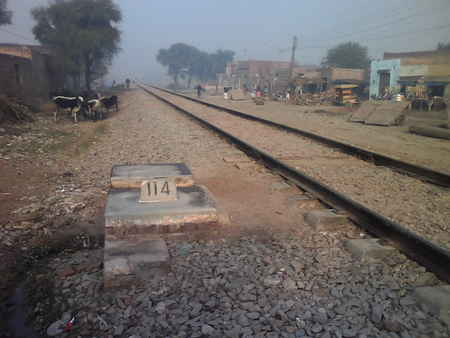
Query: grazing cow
point(109, 102)
point(73, 104)
point(85, 94)
point(96, 106)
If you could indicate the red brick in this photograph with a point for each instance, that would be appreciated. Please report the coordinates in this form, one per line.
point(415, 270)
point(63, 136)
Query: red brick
point(67, 271)
point(82, 267)
point(95, 266)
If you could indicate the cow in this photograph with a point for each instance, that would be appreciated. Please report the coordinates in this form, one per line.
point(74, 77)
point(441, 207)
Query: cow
point(56, 93)
point(87, 95)
point(96, 106)
point(109, 102)
point(73, 104)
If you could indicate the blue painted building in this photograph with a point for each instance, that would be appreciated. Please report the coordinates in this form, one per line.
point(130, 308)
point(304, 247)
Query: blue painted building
point(420, 75)
point(384, 74)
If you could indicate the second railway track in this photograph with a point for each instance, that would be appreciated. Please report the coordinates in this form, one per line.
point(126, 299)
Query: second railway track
point(389, 204)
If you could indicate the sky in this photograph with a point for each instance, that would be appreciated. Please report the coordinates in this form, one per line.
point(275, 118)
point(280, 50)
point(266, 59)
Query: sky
point(256, 30)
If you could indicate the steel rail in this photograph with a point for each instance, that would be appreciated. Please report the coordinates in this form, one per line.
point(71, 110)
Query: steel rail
point(414, 170)
point(419, 249)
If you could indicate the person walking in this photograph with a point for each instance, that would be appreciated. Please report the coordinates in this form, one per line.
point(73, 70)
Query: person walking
point(128, 83)
point(199, 90)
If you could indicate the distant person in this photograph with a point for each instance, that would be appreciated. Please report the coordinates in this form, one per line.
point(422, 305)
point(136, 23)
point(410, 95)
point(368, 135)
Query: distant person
point(128, 83)
point(114, 83)
point(199, 90)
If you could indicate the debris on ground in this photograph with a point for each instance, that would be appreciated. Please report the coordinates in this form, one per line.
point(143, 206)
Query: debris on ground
point(12, 109)
point(308, 99)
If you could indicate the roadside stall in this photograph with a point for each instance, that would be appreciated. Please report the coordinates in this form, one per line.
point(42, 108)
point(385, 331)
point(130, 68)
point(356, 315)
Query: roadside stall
point(345, 94)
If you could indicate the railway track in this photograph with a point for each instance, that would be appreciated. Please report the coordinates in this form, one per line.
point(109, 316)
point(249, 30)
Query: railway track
point(427, 253)
point(420, 172)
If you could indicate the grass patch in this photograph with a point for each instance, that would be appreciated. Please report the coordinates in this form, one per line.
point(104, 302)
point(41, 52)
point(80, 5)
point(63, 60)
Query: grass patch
point(67, 142)
point(96, 134)
point(59, 141)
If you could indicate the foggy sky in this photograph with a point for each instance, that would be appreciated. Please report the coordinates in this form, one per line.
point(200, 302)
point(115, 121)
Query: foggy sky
point(257, 30)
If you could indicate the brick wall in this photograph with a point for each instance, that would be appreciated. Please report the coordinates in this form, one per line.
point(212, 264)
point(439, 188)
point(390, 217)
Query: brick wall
point(342, 73)
point(16, 50)
point(14, 72)
point(441, 56)
point(25, 77)
point(266, 68)
point(331, 74)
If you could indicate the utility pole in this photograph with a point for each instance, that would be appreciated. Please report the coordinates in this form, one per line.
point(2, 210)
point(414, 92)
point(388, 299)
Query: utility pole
point(294, 47)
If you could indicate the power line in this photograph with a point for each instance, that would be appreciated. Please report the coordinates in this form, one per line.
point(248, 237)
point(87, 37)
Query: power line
point(433, 29)
point(396, 11)
point(7, 31)
point(375, 34)
point(415, 37)
point(430, 11)
point(281, 43)
point(364, 20)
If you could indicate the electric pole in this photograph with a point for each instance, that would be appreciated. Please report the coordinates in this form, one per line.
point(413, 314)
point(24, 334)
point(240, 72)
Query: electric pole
point(294, 47)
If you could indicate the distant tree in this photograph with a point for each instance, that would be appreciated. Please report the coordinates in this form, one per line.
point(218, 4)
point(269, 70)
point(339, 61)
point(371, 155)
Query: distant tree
point(80, 33)
point(218, 61)
point(177, 59)
point(5, 14)
point(198, 66)
point(348, 55)
point(442, 45)
point(184, 60)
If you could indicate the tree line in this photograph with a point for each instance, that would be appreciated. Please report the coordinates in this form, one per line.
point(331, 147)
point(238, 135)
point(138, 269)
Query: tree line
point(185, 61)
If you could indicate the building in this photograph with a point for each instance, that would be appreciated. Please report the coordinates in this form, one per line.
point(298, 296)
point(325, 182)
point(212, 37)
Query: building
point(25, 72)
point(417, 75)
point(278, 75)
point(252, 73)
point(316, 80)
point(331, 75)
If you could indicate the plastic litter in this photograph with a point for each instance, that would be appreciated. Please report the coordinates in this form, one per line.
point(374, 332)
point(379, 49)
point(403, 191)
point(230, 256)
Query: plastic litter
point(69, 326)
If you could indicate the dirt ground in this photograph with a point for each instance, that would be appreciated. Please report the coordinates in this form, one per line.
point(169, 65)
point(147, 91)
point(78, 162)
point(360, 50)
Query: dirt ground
point(26, 172)
point(52, 164)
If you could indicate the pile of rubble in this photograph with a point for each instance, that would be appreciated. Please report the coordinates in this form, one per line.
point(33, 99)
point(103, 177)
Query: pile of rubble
point(308, 99)
point(13, 110)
